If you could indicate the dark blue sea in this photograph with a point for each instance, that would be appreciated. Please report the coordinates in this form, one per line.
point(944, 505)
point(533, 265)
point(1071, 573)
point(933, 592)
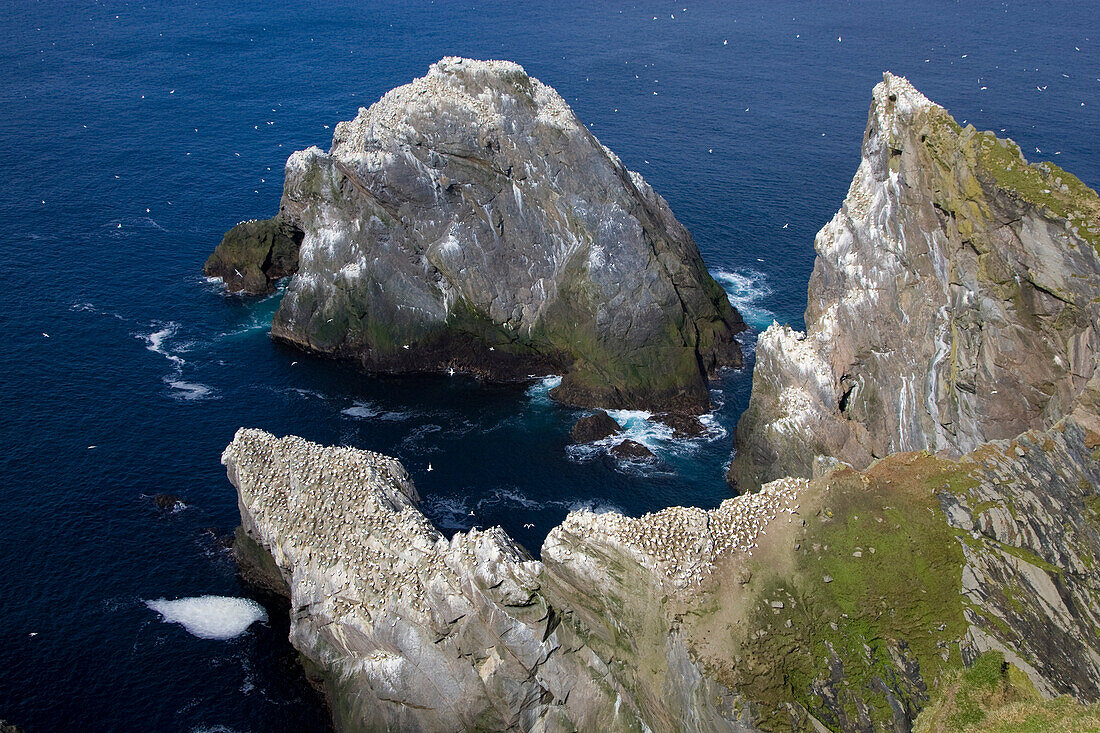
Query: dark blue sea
point(134, 134)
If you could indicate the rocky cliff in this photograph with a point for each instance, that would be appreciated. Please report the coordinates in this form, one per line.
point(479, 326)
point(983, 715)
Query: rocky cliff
point(850, 598)
point(953, 301)
point(469, 221)
point(837, 603)
point(412, 631)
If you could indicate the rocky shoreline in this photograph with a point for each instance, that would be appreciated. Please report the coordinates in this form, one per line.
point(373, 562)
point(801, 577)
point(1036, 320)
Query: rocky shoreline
point(908, 527)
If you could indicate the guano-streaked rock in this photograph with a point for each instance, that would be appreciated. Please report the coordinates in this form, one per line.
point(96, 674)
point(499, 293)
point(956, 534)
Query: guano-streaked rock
point(952, 302)
point(468, 221)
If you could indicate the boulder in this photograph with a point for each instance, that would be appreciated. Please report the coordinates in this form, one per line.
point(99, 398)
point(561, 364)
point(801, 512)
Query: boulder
point(597, 426)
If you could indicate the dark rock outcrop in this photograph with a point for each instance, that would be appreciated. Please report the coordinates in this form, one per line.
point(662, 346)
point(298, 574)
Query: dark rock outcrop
point(597, 426)
point(632, 450)
point(469, 221)
point(167, 502)
point(683, 425)
point(254, 254)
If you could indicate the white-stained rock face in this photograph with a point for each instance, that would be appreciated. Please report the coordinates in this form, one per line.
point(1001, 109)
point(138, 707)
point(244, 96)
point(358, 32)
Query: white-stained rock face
point(392, 611)
point(952, 302)
point(678, 545)
point(412, 631)
point(469, 221)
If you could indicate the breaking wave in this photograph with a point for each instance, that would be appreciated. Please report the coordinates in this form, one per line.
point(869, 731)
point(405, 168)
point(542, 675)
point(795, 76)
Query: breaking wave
point(745, 290)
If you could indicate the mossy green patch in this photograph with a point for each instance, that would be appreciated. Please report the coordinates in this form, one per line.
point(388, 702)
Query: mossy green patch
point(870, 606)
point(968, 161)
point(993, 696)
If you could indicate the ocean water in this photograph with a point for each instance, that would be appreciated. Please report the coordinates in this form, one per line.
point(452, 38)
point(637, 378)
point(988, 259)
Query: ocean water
point(136, 133)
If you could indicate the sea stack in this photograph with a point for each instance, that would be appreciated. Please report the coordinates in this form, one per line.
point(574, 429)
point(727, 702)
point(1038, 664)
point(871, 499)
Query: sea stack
point(952, 302)
point(469, 221)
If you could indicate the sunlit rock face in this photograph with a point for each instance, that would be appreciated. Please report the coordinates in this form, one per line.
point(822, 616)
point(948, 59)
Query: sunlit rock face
point(953, 301)
point(469, 221)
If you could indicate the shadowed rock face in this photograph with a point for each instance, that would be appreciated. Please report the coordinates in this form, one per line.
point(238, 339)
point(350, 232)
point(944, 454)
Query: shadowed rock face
point(254, 254)
point(469, 221)
point(953, 301)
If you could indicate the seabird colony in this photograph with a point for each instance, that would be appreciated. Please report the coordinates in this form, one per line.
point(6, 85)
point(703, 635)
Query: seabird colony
point(681, 545)
point(348, 517)
point(351, 515)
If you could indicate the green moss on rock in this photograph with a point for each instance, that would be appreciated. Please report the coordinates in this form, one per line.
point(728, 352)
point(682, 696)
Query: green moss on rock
point(254, 254)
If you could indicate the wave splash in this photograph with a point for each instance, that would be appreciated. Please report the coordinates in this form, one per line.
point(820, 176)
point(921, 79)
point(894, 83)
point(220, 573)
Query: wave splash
point(745, 289)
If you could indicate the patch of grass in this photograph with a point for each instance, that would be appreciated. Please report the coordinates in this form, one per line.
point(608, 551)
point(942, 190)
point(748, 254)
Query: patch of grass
point(993, 696)
point(871, 599)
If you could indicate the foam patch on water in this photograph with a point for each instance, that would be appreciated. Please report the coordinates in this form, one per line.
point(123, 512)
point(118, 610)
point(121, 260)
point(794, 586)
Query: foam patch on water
point(210, 617)
point(638, 426)
point(189, 390)
point(745, 289)
point(361, 411)
point(155, 343)
point(641, 427)
point(539, 392)
point(454, 512)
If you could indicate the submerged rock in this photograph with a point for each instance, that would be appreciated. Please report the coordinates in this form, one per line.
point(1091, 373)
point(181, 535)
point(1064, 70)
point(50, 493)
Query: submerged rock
point(953, 301)
point(168, 502)
point(597, 426)
point(469, 221)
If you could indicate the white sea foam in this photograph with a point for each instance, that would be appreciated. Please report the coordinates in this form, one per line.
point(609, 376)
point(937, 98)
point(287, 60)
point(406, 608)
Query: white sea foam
point(361, 410)
point(453, 512)
point(155, 343)
point(210, 617)
point(539, 392)
point(189, 390)
point(745, 289)
point(641, 427)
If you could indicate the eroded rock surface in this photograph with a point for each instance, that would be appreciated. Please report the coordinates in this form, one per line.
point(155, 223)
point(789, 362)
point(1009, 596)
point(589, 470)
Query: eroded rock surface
point(412, 631)
point(953, 301)
point(469, 221)
point(839, 601)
